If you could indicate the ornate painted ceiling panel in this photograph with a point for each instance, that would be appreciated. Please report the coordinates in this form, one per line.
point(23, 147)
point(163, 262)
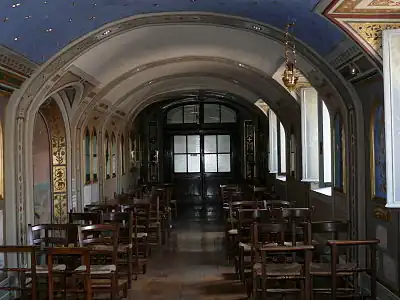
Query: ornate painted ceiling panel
point(365, 20)
point(40, 28)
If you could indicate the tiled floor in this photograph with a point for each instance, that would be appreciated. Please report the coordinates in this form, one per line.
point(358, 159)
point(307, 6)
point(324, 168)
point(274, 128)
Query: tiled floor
point(191, 267)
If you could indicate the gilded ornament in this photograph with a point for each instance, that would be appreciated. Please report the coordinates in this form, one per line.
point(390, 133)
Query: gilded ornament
point(372, 33)
point(382, 213)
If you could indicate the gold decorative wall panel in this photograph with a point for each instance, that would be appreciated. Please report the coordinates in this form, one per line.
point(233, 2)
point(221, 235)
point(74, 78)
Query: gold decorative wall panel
point(52, 114)
point(365, 20)
point(371, 32)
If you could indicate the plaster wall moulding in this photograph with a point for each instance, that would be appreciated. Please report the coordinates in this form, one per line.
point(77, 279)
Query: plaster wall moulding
point(16, 62)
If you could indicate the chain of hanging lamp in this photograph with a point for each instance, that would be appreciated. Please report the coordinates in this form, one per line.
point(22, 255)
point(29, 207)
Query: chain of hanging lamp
point(290, 76)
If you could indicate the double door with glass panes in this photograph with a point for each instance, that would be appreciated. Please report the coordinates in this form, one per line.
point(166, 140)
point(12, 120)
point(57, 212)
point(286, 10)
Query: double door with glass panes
point(200, 163)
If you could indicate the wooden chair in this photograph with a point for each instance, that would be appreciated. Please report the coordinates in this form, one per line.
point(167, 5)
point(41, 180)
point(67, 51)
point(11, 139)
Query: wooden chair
point(346, 268)
point(18, 281)
point(277, 203)
point(85, 218)
point(267, 274)
point(244, 242)
point(79, 281)
point(124, 220)
point(141, 210)
point(46, 236)
point(102, 240)
point(101, 207)
point(326, 230)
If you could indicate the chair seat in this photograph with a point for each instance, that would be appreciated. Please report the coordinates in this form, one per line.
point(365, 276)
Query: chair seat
point(97, 269)
point(44, 269)
point(172, 201)
point(233, 232)
point(292, 269)
point(141, 235)
point(106, 283)
point(289, 244)
point(325, 268)
point(246, 247)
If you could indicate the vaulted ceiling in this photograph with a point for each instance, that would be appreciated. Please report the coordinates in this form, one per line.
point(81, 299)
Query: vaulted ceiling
point(40, 28)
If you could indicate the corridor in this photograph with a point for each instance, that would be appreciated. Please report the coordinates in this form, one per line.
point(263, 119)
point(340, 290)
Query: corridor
point(192, 266)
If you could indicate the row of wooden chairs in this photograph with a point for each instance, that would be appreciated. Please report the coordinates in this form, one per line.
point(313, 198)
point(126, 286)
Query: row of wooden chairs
point(273, 241)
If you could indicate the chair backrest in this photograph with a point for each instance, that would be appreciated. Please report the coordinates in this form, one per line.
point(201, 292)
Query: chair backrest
point(268, 233)
point(52, 235)
point(277, 203)
point(18, 277)
point(101, 207)
point(85, 218)
point(124, 220)
point(332, 228)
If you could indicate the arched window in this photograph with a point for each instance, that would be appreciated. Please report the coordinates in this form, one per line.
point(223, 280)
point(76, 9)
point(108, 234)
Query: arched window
point(107, 156)
point(86, 143)
point(113, 155)
point(378, 168)
point(316, 140)
point(94, 154)
point(122, 152)
point(277, 145)
point(282, 149)
point(212, 113)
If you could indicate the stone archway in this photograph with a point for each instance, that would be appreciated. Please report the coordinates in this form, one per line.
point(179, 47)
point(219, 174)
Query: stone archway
point(25, 103)
point(58, 160)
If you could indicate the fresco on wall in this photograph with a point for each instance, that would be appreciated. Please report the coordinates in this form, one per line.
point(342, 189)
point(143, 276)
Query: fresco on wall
point(338, 152)
point(379, 154)
point(42, 203)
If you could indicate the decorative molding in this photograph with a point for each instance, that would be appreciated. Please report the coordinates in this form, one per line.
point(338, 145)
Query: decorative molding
point(382, 213)
point(371, 32)
point(371, 7)
point(343, 53)
point(16, 62)
point(364, 21)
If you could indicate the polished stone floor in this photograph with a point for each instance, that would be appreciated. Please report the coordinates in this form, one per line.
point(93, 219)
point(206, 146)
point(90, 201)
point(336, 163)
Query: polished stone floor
point(192, 266)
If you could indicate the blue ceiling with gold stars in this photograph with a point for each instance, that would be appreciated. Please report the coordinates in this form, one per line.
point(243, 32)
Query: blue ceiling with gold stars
point(40, 28)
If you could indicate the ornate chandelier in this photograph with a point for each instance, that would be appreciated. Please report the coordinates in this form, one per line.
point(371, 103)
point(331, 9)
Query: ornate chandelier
point(290, 75)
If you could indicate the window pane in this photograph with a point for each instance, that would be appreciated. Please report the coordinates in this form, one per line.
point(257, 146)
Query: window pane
point(224, 144)
point(191, 114)
point(309, 133)
point(326, 129)
point(273, 143)
point(193, 143)
point(210, 162)
point(180, 163)
point(179, 144)
point(193, 163)
point(224, 162)
point(210, 144)
point(227, 115)
point(175, 116)
point(283, 148)
point(211, 113)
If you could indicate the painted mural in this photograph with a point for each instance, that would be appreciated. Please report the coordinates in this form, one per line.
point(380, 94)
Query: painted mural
point(42, 201)
point(339, 147)
point(379, 154)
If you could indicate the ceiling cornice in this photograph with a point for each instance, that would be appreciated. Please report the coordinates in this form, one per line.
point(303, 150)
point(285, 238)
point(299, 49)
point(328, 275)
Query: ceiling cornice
point(16, 62)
